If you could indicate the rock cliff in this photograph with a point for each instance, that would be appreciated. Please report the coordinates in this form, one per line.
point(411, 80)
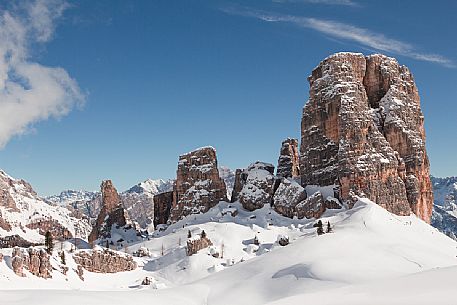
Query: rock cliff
point(198, 186)
point(362, 130)
point(112, 216)
point(104, 261)
point(162, 206)
point(36, 261)
point(288, 162)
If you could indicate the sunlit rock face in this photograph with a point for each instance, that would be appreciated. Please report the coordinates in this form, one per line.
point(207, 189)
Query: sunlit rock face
point(112, 213)
point(288, 162)
point(363, 130)
point(198, 186)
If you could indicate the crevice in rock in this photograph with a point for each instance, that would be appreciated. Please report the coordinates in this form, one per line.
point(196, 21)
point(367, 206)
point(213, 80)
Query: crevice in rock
point(376, 87)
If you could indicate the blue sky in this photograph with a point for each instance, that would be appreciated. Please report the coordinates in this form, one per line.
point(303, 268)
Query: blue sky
point(145, 81)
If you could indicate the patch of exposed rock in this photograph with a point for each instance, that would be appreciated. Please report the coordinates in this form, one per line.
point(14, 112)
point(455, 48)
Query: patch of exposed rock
point(362, 129)
point(162, 207)
point(36, 261)
point(104, 261)
point(255, 185)
point(286, 198)
point(196, 244)
point(11, 241)
point(198, 185)
point(291, 200)
point(288, 162)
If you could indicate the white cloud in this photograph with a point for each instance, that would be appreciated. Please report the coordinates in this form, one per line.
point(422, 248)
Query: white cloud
point(29, 91)
point(349, 32)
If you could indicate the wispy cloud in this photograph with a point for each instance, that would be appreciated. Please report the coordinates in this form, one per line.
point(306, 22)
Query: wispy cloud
point(325, 2)
point(349, 32)
point(31, 92)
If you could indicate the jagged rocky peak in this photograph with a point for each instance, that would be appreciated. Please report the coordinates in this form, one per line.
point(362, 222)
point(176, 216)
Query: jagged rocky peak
point(110, 196)
point(288, 162)
point(112, 215)
point(198, 186)
point(363, 130)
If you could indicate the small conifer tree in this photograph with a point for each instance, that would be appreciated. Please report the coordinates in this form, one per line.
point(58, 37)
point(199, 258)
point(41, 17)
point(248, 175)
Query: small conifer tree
point(48, 242)
point(189, 235)
point(256, 241)
point(329, 228)
point(203, 235)
point(320, 229)
point(62, 257)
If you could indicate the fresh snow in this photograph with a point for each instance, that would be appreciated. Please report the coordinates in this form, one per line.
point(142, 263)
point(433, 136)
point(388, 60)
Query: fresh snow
point(372, 257)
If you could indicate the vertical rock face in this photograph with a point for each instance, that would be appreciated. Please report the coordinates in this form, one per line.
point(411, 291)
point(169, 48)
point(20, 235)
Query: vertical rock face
point(110, 197)
point(104, 261)
point(162, 206)
point(288, 162)
point(111, 214)
point(198, 185)
point(362, 130)
point(34, 260)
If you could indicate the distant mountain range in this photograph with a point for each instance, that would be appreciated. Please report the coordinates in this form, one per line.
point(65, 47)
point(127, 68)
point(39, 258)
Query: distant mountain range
point(444, 216)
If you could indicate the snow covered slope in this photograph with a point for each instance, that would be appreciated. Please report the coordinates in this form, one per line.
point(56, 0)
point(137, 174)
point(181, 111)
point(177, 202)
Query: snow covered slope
point(371, 257)
point(25, 214)
point(152, 187)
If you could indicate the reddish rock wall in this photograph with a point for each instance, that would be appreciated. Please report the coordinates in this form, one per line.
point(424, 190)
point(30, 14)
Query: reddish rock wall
point(362, 129)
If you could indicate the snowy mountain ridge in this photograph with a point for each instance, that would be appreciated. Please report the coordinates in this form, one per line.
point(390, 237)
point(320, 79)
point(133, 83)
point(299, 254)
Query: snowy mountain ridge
point(25, 215)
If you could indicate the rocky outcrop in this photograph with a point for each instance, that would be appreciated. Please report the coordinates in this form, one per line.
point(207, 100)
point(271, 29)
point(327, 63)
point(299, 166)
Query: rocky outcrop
point(162, 206)
point(362, 130)
point(50, 225)
point(198, 185)
point(286, 198)
point(255, 185)
point(11, 241)
point(240, 180)
point(291, 200)
point(196, 244)
point(36, 261)
point(288, 162)
point(112, 215)
point(104, 261)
